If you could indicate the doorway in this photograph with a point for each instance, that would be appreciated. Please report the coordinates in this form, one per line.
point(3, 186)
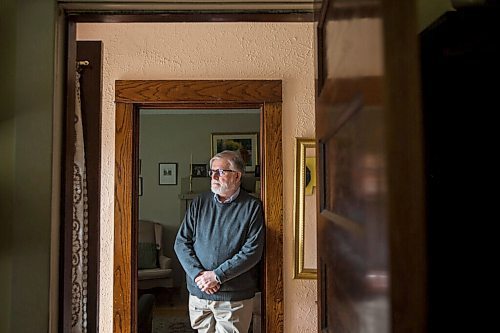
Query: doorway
point(180, 142)
point(295, 104)
point(131, 96)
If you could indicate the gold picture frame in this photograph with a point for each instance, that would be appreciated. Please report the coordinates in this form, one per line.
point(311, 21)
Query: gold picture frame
point(305, 209)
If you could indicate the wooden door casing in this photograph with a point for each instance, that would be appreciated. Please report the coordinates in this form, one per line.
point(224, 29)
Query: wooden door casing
point(206, 94)
point(371, 227)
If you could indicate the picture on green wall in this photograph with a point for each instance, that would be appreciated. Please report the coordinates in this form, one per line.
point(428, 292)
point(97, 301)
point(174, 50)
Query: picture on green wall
point(168, 173)
point(199, 170)
point(245, 143)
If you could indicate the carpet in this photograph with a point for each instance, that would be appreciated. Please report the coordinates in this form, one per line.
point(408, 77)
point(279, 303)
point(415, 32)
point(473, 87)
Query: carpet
point(169, 324)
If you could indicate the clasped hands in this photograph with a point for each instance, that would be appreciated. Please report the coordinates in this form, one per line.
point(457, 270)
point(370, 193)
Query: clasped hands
point(207, 282)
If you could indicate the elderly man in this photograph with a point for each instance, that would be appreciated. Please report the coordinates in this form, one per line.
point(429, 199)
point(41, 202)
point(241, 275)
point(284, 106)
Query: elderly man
point(219, 245)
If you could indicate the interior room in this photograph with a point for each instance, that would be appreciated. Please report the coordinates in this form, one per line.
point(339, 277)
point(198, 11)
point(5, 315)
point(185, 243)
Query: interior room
point(229, 51)
point(176, 140)
point(421, 68)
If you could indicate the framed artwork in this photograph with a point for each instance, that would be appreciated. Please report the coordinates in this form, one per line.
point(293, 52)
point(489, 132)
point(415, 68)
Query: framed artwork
point(246, 143)
point(310, 169)
point(305, 209)
point(199, 170)
point(167, 173)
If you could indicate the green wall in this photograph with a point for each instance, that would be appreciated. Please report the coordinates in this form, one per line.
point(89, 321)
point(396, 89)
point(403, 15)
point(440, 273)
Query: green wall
point(27, 67)
point(429, 10)
point(173, 138)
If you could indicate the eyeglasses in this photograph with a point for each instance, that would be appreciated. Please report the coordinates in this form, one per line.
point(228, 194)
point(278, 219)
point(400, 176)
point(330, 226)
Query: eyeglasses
point(219, 172)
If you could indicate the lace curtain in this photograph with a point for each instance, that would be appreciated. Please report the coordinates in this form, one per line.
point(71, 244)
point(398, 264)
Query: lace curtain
point(79, 265)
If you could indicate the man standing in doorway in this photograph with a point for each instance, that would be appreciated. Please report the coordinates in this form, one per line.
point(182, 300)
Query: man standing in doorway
point(219, 245)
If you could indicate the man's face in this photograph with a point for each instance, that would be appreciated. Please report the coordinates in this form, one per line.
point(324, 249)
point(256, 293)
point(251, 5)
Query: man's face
point(226, 184)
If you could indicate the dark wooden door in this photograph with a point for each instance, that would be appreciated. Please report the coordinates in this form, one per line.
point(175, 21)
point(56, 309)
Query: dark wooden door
point(371, 244)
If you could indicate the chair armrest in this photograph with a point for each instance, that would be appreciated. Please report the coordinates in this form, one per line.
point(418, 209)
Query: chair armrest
point(164, 262)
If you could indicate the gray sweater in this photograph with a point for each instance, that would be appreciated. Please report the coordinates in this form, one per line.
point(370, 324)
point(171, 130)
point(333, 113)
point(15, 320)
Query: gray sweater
point(227, 238)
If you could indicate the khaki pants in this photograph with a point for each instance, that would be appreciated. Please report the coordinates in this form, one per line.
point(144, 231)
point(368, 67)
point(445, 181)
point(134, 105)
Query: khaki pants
point(220, 316)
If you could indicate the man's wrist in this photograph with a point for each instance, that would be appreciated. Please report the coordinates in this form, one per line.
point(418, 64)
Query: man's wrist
point(217, 279)
point(197, 275)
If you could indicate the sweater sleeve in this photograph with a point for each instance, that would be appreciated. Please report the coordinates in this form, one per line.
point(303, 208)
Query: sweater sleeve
point(183, 245)
point(250, 253)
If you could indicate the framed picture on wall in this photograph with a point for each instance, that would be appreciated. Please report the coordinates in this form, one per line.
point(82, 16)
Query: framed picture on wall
point(199, 170)
point(167, 173)
point(245, 143)
point(305, 218)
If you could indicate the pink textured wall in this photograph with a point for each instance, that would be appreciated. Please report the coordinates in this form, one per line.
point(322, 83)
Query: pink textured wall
point(282, 51)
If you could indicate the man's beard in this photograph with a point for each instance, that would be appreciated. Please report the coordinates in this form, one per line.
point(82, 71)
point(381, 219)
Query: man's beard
point(221, 189)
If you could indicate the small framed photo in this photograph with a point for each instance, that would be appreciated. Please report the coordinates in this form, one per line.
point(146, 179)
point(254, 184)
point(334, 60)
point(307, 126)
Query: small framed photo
point(168, 173)
point(199, 170)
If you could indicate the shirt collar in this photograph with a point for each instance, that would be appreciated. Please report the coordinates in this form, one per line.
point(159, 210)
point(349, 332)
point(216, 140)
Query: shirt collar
point(230, 199)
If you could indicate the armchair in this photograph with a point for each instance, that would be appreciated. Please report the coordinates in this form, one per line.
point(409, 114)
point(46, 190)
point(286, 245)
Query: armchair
point(154, 269)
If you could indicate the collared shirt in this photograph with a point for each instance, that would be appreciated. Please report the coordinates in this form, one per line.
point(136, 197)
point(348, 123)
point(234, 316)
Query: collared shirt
point(230, 199)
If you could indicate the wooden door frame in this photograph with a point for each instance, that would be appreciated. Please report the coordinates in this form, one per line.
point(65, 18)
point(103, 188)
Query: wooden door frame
point(132, 95)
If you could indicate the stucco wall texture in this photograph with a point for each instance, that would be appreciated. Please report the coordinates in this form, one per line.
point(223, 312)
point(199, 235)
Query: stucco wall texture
point(283, 51)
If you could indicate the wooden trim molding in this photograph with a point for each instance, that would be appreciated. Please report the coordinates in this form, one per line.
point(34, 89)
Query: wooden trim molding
point(187, 16)
point(132, 95)
point(272, 183)
point(207, 91)
point(122, 273)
